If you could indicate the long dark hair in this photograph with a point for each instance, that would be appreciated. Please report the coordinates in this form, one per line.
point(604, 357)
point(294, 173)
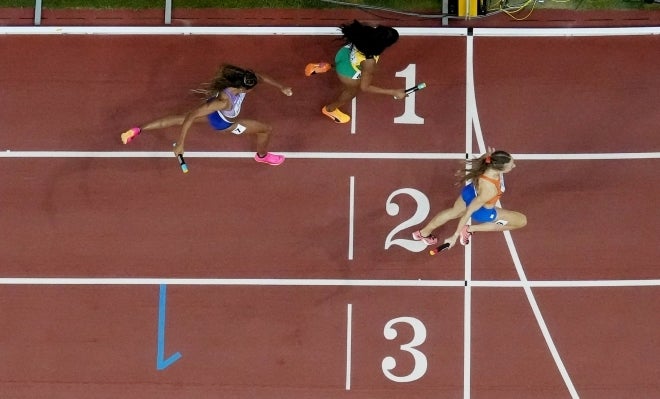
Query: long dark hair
point(228, 76)
point(369, 40)
point(476, 167)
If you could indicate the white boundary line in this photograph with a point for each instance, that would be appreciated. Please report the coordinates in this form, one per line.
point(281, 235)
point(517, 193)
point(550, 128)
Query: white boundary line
point(467, 325)
point(354, 115)
point(555, 32)
point(211, 30)
point(228, 282)
point(146, 281)
point(317, 31)
point(351, 216)
point(539, 317)
point(567, 283)
point(582, 157)
point(326, 155)
point(349, 344)
point(470, 110)
point(227, 154)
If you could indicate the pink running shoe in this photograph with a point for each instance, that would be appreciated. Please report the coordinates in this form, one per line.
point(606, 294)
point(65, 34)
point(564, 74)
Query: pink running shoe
point(130, 134)
point(429, 240)
point(465, 235)
point(269, 158)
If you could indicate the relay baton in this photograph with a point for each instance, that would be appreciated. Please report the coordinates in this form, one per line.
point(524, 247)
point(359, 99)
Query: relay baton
point(182, 162)
point(415, 88)
point(439, 249)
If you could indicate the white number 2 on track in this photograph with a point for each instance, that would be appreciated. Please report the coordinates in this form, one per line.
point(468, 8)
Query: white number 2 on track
point(419, 336)
point(423, 209)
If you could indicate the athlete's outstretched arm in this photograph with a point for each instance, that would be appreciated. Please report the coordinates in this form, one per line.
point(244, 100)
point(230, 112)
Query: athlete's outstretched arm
point(286, 90)
point(368, 70)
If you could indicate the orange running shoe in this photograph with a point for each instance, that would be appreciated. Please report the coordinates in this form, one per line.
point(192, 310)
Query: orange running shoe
point(314, 68)
point(336, 115)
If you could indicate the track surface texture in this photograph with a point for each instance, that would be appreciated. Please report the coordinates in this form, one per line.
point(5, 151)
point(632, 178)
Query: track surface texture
point(122, 276)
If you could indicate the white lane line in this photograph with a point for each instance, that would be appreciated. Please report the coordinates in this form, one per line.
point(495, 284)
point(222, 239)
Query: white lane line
point(467, 324)
point(545, 32)
point(353, 115)
point(539, 316)
point(324, 282)
point(349, 344)
point(213, 30)
point(318, 31)
point(227, 281)
point(469, 92)
point(229, 154)
point(470, 112)
point(327, 155)
point(568, 283)
point(351, 216)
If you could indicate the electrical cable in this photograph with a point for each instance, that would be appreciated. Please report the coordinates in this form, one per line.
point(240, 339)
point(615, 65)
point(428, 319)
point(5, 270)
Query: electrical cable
point(501, 6)
point(390, 10)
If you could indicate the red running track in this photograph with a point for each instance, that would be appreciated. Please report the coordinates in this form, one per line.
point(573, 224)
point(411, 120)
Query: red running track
point(230, 218)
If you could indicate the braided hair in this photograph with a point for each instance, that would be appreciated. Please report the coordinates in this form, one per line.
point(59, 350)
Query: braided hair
point(369, 40)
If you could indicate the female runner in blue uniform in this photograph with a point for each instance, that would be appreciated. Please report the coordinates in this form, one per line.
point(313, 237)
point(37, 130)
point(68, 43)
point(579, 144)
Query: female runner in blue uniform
point(224, 97)
point(355, 63)
point(477, 201)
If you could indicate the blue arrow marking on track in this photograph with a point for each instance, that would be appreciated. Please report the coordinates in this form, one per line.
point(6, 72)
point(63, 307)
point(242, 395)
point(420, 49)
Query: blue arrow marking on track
point(161, 362)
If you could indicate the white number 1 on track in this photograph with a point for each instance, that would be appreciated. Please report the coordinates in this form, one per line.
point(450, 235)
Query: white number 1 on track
point(409, 117)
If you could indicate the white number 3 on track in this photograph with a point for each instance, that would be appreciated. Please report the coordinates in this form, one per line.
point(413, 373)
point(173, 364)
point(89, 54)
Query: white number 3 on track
point(419, 336)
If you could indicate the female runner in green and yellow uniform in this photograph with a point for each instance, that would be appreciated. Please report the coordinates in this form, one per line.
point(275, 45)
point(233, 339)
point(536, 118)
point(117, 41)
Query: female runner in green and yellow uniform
point(355, 63)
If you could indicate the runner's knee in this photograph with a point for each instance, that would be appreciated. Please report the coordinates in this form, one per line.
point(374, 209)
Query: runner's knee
point(260, 129)
point(263, 128)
